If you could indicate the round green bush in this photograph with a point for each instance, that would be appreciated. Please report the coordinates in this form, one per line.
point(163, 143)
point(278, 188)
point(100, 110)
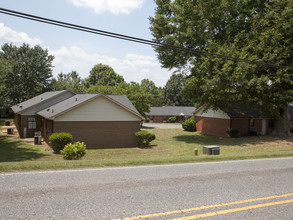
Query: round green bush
point(147, 120)
point(189, 124)
point(144, 138)
point(172, 120)
point(233, 132)
point(74, 151)
point(60, 140)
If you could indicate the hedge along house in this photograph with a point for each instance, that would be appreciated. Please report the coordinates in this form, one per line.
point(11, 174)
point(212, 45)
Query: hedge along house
point(162, 114)
point(248, 122)
point(25, 118)
point(101, 121)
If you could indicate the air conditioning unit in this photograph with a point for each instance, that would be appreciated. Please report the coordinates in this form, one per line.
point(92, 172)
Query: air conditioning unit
point(211, 150)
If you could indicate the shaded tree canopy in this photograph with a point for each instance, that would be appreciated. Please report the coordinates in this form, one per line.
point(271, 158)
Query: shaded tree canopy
point(24, 72)
point(71, 81)
point(135, 93)
point(103, 75)
point(173, 91)
point(155, 93)
point(259, 30)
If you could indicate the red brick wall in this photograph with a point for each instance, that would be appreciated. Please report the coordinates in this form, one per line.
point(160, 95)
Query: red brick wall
point(158, 119)
point(215, 126)
point(47, 129)
point(21, 121)
point(242, 125)
point(101, 134)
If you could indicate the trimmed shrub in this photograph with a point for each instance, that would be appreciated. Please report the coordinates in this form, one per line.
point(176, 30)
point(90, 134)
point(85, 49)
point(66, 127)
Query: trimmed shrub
point(172, 120)
point(144, 138)
point(233, 132)
point(147, 120)
point(60, 140)
point(189, 124)
point(74, 151)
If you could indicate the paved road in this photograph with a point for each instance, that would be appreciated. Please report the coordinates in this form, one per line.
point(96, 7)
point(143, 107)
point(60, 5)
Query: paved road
point(252, 189)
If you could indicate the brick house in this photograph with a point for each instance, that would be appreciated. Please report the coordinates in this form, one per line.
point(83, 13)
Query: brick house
point(248, 122)
point(162, 114)
point(25, 118)
point(101, 121)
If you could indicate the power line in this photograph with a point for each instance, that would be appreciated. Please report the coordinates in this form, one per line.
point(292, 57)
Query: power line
point(132, 39)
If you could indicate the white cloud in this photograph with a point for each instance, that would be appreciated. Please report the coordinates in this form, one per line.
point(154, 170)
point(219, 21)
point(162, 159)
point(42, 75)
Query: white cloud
point(114, 6)
point(9, 35)
point(132, 67)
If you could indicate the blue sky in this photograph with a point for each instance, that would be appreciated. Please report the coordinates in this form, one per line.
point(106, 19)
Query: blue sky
point(80, 51)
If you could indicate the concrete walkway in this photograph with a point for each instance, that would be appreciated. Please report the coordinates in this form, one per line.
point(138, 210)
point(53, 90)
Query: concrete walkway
point(162, 125)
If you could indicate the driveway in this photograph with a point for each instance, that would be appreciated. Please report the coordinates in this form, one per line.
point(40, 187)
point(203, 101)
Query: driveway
point(162, 125)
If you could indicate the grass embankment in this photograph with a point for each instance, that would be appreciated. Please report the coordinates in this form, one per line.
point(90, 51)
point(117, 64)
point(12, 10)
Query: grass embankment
point(170, 146)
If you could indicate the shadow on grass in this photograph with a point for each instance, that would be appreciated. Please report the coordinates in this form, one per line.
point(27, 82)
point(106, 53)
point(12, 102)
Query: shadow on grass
point(198, 139)
point(148, 146)
point(17, 150)
point(147, 127)
point(204, 139)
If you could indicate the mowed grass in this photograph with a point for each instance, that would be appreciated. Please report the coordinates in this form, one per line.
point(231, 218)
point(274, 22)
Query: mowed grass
point(170, 146)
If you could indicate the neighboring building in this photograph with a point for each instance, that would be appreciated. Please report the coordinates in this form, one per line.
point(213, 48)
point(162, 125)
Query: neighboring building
point(25, 118)
point(162, 114)
point(101, 121)
point(218, 122)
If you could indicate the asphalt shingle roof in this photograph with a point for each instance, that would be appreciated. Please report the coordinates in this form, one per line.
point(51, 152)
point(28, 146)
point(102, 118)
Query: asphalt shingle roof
point(240, 111)
point(249, 112)
point(171, 110)
point(36, 100)
point(78, 99)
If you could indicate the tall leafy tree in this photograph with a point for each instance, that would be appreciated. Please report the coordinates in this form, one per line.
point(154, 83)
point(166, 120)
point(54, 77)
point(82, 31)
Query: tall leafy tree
point(102, 74)
point(259, 30)
point(70, 81)
point(135, 93)
point(155, 93)
point(5, 101)
point(25, 72)
point(173, 91)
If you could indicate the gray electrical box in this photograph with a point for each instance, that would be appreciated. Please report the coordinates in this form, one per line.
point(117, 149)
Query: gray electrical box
point(211, 150)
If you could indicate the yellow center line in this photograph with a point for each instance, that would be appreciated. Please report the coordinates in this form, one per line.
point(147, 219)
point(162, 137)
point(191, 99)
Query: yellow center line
point(203, 207)
point(223, 212)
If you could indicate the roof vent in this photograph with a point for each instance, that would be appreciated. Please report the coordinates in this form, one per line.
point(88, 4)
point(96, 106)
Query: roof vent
point(48, 109)
point(52, 110)
point(41, 98)
point(20, 106)
point(76, 99)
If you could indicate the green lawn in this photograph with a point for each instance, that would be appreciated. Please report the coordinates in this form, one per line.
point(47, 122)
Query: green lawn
point(170, 146)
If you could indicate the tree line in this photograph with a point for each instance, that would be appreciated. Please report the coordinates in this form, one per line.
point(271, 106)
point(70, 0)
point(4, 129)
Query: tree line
point(26, 72)
point(256, 30)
